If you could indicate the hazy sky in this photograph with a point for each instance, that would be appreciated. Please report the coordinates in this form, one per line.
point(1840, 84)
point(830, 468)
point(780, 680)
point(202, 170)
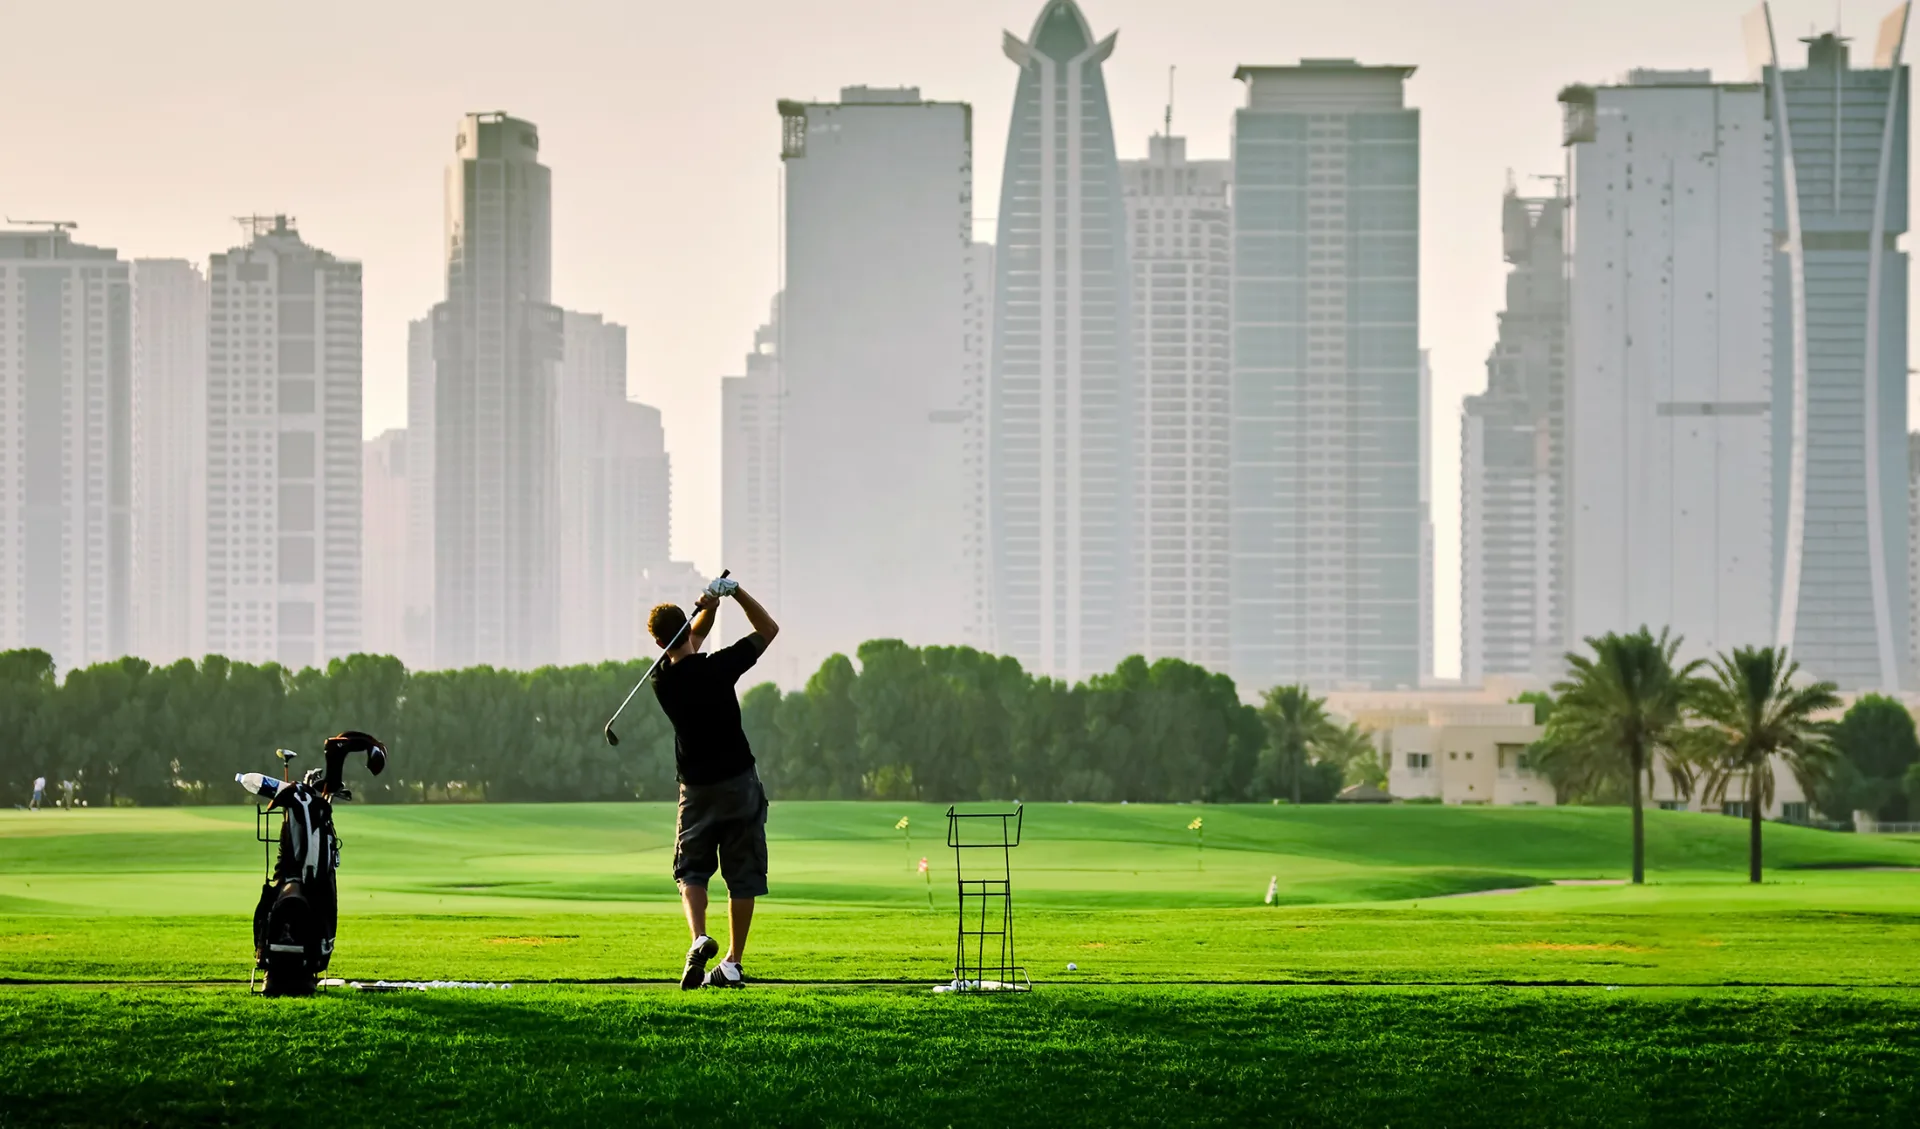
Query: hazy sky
point(153, 124)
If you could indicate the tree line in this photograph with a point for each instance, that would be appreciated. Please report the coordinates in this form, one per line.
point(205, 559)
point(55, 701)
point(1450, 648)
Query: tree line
point(901, 722)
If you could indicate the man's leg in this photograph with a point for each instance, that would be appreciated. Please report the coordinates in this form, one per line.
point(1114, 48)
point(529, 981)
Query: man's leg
point(739, 921)
point(693, 899)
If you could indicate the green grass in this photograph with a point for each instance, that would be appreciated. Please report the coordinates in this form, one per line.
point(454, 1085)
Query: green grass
point(580, 892)
point(867, 1057)
point(1193, 1002)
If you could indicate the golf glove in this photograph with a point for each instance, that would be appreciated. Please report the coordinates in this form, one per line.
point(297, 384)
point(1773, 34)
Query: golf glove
point(722, 588)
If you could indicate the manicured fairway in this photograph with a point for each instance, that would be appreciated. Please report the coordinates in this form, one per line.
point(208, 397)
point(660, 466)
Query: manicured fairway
point(579, 892)
point(1421, 967)
point(1075, 1056)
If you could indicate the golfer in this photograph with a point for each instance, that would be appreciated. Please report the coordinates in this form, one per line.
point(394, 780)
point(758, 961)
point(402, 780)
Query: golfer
point(723, 809)
point(39, 790)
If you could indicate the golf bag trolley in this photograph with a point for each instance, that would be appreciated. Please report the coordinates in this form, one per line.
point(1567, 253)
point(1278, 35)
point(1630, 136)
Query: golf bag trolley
point(293, 925)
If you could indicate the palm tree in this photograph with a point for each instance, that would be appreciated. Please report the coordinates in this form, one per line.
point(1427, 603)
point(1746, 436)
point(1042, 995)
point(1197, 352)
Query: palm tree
point(1615, 715)
point(1749, 713)
point(1296, 721)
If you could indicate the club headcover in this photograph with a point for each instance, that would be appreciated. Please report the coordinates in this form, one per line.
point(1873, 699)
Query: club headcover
point(343, 745)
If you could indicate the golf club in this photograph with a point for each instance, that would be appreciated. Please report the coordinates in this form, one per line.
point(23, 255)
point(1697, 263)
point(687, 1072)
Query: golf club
point(612, 737)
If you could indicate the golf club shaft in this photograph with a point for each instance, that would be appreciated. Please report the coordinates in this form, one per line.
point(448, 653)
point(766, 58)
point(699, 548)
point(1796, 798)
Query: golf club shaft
point(677, 636)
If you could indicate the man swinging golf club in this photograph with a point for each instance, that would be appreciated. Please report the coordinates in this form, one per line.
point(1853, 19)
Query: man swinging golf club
point(723, 809)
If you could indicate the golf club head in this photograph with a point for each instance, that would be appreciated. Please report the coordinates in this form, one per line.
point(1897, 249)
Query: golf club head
point(612, 738)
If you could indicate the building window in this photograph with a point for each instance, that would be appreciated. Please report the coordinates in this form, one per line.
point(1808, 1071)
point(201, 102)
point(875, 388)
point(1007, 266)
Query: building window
point(1736, 808)
point(1419, 760)
point(1795, 812)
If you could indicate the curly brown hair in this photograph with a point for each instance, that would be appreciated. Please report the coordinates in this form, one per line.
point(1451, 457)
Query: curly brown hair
point(664, 622)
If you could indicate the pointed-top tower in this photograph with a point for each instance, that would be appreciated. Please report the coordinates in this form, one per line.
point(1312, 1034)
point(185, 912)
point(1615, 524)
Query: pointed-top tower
point(1060, 465)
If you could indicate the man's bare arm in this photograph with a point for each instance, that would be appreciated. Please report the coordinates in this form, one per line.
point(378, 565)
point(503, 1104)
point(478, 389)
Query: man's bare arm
point(763, 624)
point(702, 620)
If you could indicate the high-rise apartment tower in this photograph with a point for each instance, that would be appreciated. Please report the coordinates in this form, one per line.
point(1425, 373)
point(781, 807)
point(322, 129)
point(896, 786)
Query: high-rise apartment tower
point(496, 341)
point(1513, 458)
point(1181, 230)
point(1326, 377)
point(169, 460)
point(1668, 498)
point(283, 450)
point(66, 447)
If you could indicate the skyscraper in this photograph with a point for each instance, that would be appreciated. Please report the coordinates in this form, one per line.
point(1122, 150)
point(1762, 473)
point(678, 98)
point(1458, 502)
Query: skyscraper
point(750, 477)
point(66, 423)
point(384, 519)
point(1513, 458)
point(283, 450)
point(1913, 545)
point(1326, 377)
point(1181, 250)
point(878, 225)
point(977, 627)
point(417, 616)
point(1840, 357)
point(1062, 428)
point(1668, 498)
point(169, 460)
point(613, 487)
point(1424, 645)
point(497, 338)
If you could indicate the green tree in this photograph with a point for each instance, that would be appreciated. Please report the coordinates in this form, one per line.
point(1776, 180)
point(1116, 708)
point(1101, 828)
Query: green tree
point(1876, 737)
point(26, 687)
point(1351, 749)
point(1750, 714)
point(1297, 724)
point(1541, 702)
point(1618, 713)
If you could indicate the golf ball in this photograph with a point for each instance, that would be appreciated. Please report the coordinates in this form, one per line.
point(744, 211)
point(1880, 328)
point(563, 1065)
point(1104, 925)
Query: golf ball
point(1072, 967)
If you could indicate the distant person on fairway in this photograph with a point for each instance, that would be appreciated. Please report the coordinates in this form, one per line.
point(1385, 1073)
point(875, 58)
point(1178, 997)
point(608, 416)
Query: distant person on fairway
point(39, 790)
point(723, 809)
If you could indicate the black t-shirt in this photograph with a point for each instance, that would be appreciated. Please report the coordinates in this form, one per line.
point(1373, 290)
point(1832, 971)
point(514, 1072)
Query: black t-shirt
point(697, 694)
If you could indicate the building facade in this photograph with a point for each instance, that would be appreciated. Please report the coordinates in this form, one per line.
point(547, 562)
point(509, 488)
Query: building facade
point(1064, 387)
point(1466, 754)
point(1669, 512)
point(1839, 395)
point(1180, 225)
point(1913, 546)
point(1513, 458)
point(496, 341)
point(417, 616)
point(878, 227)
point(750, 484)
point(169, 577)
point(977, 625)
point(1326, 377)
point(283, 450)
point(613, 486)
point(66, 447)
point(385, 516)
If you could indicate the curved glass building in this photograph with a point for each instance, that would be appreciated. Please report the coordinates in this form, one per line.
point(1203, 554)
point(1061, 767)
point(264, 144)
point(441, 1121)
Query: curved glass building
point(1062, 422)
point(1840, 358)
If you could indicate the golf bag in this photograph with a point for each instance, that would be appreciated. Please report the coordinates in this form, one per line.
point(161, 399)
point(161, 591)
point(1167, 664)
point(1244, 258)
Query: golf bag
point(293, 926)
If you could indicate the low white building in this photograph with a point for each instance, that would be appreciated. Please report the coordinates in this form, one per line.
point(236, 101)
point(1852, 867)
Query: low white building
point(1466, 754)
